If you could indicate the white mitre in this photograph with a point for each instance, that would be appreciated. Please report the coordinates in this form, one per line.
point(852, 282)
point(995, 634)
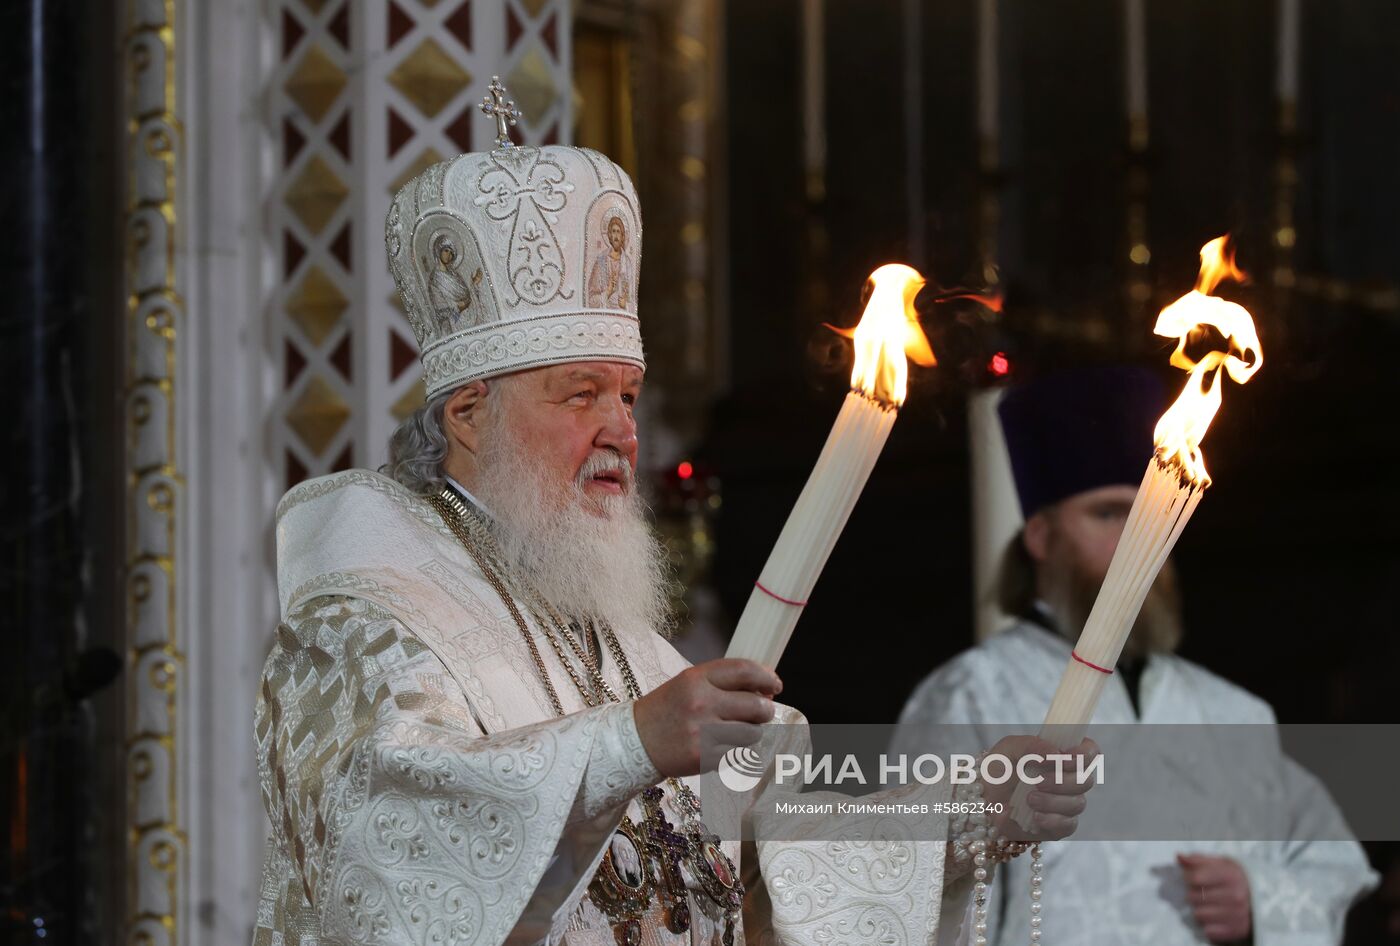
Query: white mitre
point(505, 261)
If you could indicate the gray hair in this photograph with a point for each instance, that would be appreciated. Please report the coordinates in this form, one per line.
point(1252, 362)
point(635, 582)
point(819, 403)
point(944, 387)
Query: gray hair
point(418, 448)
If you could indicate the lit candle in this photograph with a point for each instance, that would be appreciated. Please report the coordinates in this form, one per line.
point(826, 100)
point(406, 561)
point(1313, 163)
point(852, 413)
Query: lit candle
point(888, 330)
point(1171, 488)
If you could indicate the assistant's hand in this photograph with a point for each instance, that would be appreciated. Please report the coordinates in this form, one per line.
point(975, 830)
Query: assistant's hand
point(1218, 890)
point(721, 700)
point(1055, 805)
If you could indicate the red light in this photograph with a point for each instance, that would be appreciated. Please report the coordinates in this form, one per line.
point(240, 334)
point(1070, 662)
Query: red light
point(684, 470)
point(1000, 365)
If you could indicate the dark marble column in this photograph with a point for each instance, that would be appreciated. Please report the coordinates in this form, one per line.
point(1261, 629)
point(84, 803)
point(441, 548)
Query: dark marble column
point(60, 619)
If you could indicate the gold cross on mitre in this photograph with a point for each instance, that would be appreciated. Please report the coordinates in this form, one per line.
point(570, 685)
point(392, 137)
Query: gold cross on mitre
point(505, 112)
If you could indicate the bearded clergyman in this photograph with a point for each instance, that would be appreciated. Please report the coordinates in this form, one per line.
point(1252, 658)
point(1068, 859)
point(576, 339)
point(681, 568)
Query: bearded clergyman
point(471, 727)
point(1078, 442)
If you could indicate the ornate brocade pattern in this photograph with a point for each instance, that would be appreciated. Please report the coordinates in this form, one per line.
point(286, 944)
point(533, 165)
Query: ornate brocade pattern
point(385, 487)
point(612, 780)
point(494, 349)
point(334, 583)
point(876, 885)
point(322, 689)
point(394, 818)
point(527, 188)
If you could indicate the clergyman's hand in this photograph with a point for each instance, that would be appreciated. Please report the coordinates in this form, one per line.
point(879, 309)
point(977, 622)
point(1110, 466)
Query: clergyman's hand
point(1218, 891)
point(725, 700)
point(1055, 804)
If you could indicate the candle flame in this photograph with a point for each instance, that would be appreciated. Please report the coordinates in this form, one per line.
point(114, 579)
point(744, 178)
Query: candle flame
point(1190, 320)
point(888, 334)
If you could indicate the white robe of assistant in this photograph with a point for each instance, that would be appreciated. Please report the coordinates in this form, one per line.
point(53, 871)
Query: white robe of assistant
point(421, 789)
point(1124, 893)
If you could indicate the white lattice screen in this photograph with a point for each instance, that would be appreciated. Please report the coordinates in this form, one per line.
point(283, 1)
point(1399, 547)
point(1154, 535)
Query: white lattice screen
point(361, 98)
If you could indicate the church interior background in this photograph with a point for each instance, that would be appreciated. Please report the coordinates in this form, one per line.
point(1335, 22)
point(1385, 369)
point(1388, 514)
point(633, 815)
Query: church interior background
point(200, 316)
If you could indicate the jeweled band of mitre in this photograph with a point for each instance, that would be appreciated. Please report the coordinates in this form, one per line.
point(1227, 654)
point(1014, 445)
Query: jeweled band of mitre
point(517, 258)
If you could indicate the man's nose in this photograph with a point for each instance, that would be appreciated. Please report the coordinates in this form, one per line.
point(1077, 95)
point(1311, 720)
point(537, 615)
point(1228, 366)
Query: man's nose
point(619, 430)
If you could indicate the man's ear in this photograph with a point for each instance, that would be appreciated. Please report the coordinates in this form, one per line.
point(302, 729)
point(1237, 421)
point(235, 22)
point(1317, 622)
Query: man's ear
point(461, 415)
point(1036, 536)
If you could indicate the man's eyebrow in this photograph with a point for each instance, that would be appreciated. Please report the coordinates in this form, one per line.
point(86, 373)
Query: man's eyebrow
point(580, 375)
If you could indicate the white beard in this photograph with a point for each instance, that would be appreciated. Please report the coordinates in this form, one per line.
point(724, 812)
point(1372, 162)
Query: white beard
point(608, 567)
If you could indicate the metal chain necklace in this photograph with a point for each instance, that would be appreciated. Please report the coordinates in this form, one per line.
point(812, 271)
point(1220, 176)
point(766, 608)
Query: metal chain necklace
point(641, 860)
point(582, 638)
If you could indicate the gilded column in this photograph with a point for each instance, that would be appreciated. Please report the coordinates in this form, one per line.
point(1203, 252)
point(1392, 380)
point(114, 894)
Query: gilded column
point(155, 318)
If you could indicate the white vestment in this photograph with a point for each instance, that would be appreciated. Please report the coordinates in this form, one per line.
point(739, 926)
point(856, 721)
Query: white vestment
point(422, 790)
point(1123, 893)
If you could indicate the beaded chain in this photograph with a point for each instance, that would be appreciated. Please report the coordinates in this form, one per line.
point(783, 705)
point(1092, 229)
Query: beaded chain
point(972, 838)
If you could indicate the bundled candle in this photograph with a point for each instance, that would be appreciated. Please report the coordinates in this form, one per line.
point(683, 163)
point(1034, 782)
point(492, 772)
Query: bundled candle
point(1173, 485)
point(888, 331)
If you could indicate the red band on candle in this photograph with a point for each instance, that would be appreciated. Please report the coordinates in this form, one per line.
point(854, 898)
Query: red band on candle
point(1086, 663)
point(795, 604)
